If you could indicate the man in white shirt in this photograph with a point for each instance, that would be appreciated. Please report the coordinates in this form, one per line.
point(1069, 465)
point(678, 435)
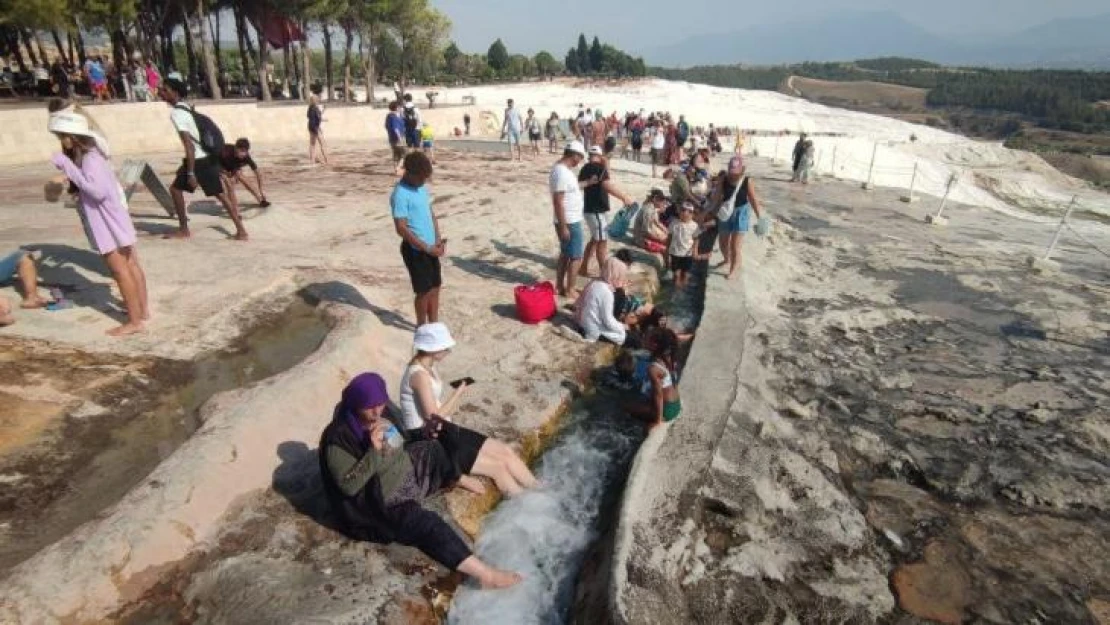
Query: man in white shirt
point(198, 168)
point(568, 204)
point(512, 127)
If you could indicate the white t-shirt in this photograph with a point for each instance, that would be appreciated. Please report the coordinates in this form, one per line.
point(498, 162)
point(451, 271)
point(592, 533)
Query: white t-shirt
point(659, 139)
point(683, 235)
point(513, 121)
point(593, 312)
point(183, 122)
point(563, 179)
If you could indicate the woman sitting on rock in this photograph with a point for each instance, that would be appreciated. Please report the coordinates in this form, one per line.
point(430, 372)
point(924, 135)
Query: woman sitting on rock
point(593, 312)
point(424, 416)
point(376, 483)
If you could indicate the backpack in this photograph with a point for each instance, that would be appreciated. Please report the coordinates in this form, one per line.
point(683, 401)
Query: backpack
point(410, 118)
point(211, 139)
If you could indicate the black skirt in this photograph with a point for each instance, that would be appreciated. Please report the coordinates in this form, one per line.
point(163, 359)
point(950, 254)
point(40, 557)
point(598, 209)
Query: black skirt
point(461, 444)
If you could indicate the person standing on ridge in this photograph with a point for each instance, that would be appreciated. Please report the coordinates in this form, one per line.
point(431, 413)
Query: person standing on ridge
point(682, 135)
point(596, 205)
point(798, 155)
point(395, 130)
point(512, 127)
point(421, 244)
point(315, 132)
point(411, 116)
point(535, 132)
point(567, 204)
point(466, 123)
point(199, 169)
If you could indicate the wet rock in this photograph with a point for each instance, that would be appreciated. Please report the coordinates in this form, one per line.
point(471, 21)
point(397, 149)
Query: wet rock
point(937, 588)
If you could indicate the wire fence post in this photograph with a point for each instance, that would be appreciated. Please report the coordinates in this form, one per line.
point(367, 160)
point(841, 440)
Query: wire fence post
point(911, 198)
point(938, 220)
point(1060, 228)
point(867, 186)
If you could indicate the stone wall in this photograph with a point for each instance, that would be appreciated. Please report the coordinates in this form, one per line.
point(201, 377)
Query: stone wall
point(140, 128)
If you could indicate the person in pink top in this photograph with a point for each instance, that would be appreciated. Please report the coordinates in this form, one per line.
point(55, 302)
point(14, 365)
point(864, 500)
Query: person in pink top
point(153, 78)
point(103, 210)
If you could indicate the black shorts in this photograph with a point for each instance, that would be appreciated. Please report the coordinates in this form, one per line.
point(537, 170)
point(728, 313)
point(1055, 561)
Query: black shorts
point(681, 263)
point(412, 137)
point(424, 270)
point(398, 151)
point(534, 136)
point(208, 177)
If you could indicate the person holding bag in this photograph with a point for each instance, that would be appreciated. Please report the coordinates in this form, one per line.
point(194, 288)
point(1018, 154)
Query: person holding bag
point(732, 203)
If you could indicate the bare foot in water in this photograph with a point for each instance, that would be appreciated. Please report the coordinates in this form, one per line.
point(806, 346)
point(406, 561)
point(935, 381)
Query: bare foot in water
point(34, 302)
point(126, 329)
point(497, 578)
point(180, 234)
point(472, 484)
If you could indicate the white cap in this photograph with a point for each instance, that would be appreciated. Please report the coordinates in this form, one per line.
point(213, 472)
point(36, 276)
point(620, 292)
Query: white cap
point(576, 146)
point(596, 149)
point(433, 337)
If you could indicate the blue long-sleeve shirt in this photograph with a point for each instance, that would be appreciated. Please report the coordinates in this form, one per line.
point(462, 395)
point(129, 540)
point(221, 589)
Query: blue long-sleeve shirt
point(395, 128)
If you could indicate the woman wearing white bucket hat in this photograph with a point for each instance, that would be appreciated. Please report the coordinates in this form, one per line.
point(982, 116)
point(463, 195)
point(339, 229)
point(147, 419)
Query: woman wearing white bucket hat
point(103, 210)
point(424, 416)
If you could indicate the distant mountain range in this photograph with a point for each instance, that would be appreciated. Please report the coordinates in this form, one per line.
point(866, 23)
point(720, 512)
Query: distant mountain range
point(1082, 43)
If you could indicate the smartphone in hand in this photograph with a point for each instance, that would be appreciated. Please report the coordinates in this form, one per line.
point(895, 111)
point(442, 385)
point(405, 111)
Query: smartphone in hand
point(457, 383)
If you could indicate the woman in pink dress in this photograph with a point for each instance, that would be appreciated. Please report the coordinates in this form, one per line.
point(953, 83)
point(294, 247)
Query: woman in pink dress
point(153, 78)
point(103, 211)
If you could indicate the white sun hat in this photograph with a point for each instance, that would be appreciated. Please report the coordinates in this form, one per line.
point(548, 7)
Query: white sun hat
point(69, 122)
point(577, 147)
point(433, 337)
point(66, 121)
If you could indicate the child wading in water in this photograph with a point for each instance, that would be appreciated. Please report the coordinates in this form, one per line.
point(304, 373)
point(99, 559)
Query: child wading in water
point(103, 212)
point(664, 403)
point(683, 238)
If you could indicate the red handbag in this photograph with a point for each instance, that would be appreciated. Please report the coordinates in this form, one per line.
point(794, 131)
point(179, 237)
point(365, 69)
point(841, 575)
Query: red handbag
point(535, 303)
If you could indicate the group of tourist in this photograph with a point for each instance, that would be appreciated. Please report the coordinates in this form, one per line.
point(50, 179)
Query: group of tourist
point(379, 465)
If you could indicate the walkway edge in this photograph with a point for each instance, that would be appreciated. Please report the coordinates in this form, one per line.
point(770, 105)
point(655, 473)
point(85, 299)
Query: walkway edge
point(675, 457)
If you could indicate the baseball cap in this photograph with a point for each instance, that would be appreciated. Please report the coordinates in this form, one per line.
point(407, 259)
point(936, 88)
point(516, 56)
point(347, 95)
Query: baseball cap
point(576, 147)
point(596, 150)
point(687, 206)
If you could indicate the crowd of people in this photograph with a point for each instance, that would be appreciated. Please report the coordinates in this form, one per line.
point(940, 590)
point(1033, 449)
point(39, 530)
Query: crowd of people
point(379, 463)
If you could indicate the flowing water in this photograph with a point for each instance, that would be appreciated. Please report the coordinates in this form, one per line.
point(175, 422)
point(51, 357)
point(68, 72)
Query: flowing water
point(547, 534)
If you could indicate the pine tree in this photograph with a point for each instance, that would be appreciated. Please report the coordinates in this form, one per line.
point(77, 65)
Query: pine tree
point(597, 57)
point(583, 55)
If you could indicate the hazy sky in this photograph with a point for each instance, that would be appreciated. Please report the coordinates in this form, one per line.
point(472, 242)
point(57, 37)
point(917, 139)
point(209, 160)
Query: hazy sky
point(529, 26)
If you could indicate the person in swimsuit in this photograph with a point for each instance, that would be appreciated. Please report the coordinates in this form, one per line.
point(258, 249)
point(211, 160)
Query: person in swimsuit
point(663, 403)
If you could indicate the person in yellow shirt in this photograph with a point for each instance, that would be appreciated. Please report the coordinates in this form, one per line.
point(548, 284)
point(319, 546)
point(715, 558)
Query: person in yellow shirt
point(427, 141)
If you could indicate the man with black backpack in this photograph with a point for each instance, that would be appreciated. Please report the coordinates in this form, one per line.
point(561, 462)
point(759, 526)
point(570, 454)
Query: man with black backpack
point(203, 143)
point(411, 115)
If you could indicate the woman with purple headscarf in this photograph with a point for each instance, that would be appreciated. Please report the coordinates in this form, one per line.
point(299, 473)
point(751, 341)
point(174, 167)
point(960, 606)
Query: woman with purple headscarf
point(377, 482)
